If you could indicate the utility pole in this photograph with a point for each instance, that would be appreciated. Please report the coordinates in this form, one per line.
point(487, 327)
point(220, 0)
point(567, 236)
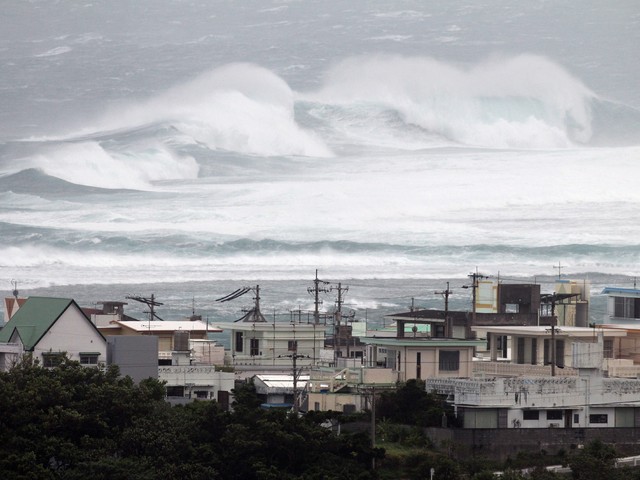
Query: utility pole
point(559, 267)
point(151, 303)
point(337, 336)
point(295, 356)
point(475, 276)
point(445, 294)
point(315, 291)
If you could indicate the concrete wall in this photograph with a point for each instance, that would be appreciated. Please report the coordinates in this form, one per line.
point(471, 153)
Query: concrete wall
point(136, 355)
point(499, 444)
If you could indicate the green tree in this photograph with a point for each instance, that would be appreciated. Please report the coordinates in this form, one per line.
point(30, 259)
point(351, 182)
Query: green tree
point(594, 462)
point(411, 404)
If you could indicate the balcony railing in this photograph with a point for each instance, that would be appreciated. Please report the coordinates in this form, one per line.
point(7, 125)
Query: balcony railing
point(505, 369)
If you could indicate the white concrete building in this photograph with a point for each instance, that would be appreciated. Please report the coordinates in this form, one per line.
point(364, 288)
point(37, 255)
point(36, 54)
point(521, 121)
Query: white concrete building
point(587, 400)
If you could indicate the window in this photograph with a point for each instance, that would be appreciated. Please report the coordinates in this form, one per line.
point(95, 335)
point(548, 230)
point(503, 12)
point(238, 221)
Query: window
point(626, 307)
point(439, 331)
point(530, 414)
point(576, 418)
point(50, 360)
point(534, 351)
point(608, 349)
point(520, 344)
point(254, 347)
point(316, 406)
point(292, 346)
point(560, 353)
point(175, 391)
point(449, 361)
point(599, 418)
point(418, 366)
point(512, 308)
point(554, 414)
point(239, 342)
point(89, 358)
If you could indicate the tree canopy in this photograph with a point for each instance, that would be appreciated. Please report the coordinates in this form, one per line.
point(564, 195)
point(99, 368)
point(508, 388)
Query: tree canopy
point(72, 422)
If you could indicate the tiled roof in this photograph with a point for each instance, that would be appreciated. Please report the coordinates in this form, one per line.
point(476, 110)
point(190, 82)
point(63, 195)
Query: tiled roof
point(34, 318)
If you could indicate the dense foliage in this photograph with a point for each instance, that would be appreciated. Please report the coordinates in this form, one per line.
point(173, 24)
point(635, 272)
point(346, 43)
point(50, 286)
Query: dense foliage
point(74, 422)
point(411, 404)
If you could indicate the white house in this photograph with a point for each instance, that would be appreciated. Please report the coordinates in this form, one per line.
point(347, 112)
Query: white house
point(586, 400)
point(49, 328)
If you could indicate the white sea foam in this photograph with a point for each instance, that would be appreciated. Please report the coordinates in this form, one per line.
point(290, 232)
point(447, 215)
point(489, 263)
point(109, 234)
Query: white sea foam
point(55, 51)
point(88, 163)
point(239, 107)
point(525, 101)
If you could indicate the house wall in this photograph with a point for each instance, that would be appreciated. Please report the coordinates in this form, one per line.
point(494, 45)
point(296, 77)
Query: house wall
point(72, 333)
point(335, 401)
point(273, 344)
point(429, 362)
point(202, 378)
point(136, 356)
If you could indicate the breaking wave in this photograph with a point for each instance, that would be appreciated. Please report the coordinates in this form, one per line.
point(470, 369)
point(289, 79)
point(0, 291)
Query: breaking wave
point(525, 101)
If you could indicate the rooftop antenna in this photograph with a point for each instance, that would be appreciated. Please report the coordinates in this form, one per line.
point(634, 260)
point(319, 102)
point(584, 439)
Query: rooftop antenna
point(15, 288)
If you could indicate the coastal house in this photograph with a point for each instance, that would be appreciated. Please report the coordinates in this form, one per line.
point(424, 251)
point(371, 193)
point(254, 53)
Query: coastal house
point(347, 390)
point(49, 328)
point(623, 305)
point(586, 400)
point(536, 350)
point(278, 390)
point(112, 320)
point(261, 346)
point(419, 349)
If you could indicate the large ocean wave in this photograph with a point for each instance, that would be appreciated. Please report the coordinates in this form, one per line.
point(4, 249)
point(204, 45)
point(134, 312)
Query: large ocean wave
point(367, 104)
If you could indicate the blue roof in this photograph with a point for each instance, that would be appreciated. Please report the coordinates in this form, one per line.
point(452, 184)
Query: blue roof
point(632, 291)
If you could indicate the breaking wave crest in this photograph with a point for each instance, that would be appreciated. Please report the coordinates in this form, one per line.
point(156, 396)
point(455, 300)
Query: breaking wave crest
point(525, 101)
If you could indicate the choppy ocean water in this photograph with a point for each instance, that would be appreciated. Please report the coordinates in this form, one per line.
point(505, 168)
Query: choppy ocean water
point(187, 149)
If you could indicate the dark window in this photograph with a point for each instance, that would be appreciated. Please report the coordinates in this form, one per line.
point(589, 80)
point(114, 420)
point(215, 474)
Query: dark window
point(175, 391)
point(418, 366)
point(349, 408)
point(449, 361)
point(576, 418)
point(201, 394)
point(530, 414)
point(50, 360)
point(89, 358)
point(547, 351)
point(293, 346)
point(316, 406)
point(520, 344)
point(254, 347)
point(554, 414)
point(439, 331)
point(608, 349)
point(534, 351)
point(560, 353)
point(599, 418)
point(239, 341)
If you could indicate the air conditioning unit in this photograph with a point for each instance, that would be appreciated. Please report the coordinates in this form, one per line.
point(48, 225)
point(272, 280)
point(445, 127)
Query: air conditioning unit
point(554, 425)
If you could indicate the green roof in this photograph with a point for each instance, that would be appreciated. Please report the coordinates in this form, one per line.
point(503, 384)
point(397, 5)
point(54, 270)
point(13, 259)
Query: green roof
point(34, 319)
